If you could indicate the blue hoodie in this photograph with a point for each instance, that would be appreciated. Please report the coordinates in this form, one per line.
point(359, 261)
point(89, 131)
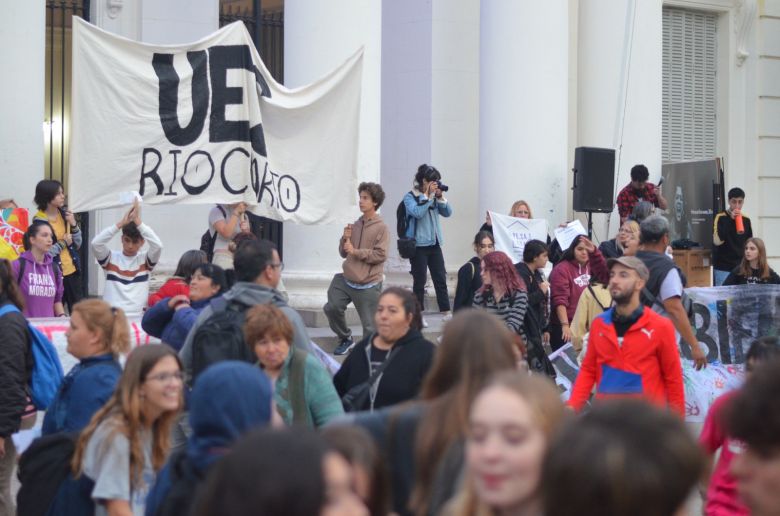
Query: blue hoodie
point(228, 399)
point(171, 325)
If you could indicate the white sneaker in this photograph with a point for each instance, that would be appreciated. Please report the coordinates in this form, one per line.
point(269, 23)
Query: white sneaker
point(446, 317)
point(425, 323)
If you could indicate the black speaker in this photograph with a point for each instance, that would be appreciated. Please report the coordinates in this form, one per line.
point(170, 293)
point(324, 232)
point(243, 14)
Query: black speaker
point(594, 179)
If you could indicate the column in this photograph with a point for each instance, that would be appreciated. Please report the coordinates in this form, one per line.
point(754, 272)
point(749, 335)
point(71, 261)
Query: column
point(22, 36)
point(524, 107)
point(318, 37)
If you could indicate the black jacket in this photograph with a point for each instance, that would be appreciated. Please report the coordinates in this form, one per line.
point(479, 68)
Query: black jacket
point(737, 278)
point(535, 316)
point(402, 378)
point(15, 368)
point(728, 246)
point(469, 281)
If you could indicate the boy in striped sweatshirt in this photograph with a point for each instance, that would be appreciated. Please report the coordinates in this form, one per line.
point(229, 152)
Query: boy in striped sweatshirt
point(128, 271)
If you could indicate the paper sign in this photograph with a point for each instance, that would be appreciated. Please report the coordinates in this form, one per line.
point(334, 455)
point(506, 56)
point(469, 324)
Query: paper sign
point(511, 234)
point(566, 235)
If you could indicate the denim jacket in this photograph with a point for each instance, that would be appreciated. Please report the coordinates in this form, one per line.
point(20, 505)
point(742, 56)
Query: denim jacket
point(423, 214)
point(82, 392)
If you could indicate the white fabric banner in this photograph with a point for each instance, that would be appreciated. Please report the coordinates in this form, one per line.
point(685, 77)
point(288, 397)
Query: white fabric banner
point(511, 234)
point(206, 123)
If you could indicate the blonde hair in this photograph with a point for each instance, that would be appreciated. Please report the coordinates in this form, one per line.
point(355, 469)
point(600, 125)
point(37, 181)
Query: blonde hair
point(110, 322)
point(519, 203)
point(124, 411)
point(633, 228)
point(548, 411)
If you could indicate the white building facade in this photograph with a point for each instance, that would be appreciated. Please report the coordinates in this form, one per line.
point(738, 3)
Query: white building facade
point(496, 94)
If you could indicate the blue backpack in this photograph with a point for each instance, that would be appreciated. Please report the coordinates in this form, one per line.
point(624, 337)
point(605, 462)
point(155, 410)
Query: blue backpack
point(47, 371)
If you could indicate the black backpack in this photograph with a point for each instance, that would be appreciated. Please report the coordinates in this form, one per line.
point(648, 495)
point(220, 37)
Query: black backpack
point(207, 240)
point(43, 467)
point(407, 247)
point(221, 336)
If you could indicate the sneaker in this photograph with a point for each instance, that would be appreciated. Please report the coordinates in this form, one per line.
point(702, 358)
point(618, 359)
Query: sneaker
point(425, 323)
point(345, 346)
point(447, 317)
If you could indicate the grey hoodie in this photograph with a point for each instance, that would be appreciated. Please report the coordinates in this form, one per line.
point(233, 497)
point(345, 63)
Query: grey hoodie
point(250, 294)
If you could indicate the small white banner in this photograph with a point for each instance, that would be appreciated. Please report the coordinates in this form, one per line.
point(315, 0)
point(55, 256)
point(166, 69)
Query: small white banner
point(511, 234)
point(205, 123)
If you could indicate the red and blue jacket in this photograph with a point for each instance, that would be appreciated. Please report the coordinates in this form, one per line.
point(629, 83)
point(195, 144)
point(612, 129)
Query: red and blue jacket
point(645, 364)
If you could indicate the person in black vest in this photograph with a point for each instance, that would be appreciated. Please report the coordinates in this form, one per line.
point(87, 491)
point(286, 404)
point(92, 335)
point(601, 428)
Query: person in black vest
point(664, 287)
point(728, 244)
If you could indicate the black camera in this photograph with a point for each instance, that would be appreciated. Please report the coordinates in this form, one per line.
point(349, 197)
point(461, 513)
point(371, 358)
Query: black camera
point(443, 187)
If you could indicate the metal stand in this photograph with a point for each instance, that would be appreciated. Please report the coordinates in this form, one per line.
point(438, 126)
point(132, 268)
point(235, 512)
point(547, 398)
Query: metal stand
point(590, 225)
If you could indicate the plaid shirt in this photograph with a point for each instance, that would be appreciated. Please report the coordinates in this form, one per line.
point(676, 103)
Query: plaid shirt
point(628, 198)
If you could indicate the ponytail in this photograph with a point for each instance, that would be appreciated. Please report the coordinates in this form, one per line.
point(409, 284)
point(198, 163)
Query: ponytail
point(111, 322)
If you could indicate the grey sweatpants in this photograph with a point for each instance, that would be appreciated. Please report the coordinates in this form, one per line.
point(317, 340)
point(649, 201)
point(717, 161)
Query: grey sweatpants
point(340, 295)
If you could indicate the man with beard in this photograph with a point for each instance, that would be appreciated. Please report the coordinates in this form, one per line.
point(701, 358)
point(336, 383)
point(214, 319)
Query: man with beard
point(639, 189)
point(632, 350)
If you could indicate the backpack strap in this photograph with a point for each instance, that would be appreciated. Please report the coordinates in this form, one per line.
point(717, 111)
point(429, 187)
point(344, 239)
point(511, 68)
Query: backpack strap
point(596, 298)
point(22, 265)
point(473, 270)
point(298, 380)
point(8, 308)
point(55, 268)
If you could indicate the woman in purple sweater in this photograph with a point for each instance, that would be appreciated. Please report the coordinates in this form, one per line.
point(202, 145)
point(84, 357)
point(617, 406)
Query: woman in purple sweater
point(39, 278)
point(567, 281)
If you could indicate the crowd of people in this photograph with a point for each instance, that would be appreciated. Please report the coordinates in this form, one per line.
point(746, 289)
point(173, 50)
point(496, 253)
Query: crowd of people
point(237, 412)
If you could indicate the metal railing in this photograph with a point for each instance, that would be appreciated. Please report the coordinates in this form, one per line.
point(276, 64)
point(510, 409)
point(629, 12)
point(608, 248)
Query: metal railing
point(56, 125)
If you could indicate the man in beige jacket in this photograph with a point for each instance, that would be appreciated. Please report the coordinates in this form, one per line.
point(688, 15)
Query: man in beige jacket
point(364, 247)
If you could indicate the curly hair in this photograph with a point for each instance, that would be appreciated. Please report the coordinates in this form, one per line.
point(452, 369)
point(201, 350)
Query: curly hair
point(374, 191)
point(502, 272)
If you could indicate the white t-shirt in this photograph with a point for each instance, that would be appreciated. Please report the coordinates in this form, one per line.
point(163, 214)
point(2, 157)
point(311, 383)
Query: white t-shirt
point(215, 215)
point(107, 462)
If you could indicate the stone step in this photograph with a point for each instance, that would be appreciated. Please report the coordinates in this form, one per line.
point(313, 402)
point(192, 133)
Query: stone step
point(316, 318)
point(325, 338)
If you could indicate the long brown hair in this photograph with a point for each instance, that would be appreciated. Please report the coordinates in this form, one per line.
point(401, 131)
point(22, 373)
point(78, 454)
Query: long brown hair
point(8, 287)
point(540, 393)
point(474, 346)
point(110, 322)
point(124, 409)
point(763, 264)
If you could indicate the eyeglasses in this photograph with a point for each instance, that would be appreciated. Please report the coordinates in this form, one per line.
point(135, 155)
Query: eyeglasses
point(166, 377)
point(279, 265)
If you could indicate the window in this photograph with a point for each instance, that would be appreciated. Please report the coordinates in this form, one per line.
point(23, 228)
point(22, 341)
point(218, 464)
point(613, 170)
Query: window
point(689, 85)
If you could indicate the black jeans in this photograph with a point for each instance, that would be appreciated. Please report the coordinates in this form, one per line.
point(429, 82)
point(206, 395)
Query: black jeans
point(72, 290)
point(425, 258)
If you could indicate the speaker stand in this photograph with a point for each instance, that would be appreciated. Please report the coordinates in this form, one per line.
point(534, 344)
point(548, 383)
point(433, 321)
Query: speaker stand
point(590, 225)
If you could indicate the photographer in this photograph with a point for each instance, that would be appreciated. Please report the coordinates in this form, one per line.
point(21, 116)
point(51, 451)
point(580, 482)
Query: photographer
point(639, 190)
point(423, 206)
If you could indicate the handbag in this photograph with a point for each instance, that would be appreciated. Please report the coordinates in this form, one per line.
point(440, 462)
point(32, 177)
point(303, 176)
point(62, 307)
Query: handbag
point(358, 396)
